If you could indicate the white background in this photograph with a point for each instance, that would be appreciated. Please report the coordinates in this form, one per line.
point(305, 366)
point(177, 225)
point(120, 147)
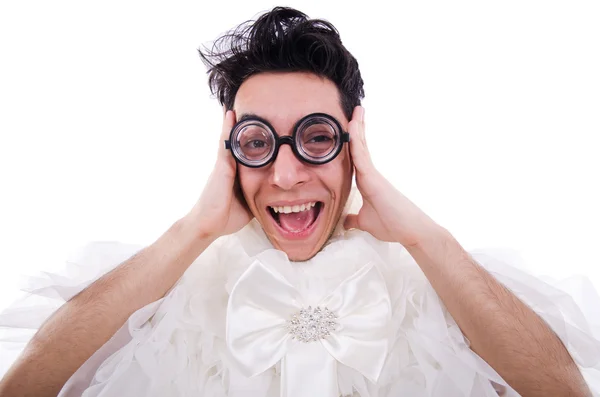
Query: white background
point(485, 114)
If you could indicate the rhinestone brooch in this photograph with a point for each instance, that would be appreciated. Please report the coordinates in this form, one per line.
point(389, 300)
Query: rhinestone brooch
point(310, 325)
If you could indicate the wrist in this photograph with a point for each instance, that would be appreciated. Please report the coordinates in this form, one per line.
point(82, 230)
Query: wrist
point(193, 226)
point(429, 233)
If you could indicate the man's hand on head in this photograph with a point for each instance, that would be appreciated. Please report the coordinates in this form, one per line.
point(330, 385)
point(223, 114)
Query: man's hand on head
point(221, 209)
point(386, 213)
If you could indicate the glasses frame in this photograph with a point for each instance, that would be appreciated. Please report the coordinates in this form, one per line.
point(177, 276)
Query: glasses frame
point(289, 140)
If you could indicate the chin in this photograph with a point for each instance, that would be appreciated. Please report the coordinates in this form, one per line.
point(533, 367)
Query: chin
point(300, 228)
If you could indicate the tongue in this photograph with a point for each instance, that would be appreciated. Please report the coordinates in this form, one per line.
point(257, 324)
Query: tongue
point(298, 221)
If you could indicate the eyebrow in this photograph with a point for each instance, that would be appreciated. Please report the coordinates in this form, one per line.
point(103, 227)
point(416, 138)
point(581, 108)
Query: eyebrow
point(246, 116)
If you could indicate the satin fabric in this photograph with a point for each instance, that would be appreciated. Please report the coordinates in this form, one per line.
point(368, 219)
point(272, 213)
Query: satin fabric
point(177, 346)
point(263, 300)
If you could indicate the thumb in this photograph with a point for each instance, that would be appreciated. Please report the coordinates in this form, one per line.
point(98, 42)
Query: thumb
point(351, 222)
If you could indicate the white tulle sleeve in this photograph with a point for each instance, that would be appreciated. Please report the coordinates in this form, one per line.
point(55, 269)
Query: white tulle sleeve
point(45, 293)
point(431, 357)
point(571, 307)
point(175, 346)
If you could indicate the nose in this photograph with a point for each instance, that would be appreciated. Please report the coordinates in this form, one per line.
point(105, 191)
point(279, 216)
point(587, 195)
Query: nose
point(287, 171)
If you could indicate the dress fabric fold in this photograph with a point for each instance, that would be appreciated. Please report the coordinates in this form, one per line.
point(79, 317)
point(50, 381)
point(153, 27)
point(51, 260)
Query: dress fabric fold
point(224, 327)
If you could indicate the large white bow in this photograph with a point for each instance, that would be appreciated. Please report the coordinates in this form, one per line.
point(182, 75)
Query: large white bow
point(262, 302)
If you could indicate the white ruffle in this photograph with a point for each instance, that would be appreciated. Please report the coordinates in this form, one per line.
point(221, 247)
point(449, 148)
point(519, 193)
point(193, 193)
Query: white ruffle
point(45, 293)
point(175, 346)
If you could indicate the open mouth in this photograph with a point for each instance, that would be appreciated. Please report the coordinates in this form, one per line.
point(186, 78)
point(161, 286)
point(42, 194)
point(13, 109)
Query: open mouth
point(297, 220)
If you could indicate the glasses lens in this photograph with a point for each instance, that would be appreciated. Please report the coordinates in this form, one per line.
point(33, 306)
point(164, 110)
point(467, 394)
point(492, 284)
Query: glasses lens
point(318, 139)
point(254, 142)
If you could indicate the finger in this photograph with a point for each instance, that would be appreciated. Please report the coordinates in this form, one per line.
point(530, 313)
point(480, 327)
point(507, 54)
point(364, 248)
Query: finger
point(228, 123)
point(239, 194)
point(358, 143)
point(351, 222)
point(358, 113)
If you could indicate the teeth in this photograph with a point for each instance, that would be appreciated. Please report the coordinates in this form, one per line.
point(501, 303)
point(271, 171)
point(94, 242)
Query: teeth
point(296, 208)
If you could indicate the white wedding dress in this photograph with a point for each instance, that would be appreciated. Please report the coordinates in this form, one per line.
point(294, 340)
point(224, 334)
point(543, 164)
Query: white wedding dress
point(225, 328)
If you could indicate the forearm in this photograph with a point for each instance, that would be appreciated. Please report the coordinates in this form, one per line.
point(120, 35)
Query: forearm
point(504, 331)
point(82, 325)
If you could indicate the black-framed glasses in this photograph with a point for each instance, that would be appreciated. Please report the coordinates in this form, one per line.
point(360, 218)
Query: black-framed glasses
point(316, 139)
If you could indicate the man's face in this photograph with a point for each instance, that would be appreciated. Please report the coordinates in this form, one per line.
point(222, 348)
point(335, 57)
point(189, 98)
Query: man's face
point(282, 99)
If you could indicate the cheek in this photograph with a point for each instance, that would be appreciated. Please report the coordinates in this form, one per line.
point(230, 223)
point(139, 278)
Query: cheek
point(337, 176)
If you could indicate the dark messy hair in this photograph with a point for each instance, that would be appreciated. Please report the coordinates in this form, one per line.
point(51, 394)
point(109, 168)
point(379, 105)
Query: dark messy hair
point(286, 40)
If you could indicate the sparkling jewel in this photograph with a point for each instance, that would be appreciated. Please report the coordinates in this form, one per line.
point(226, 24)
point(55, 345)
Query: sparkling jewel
point(309, 325)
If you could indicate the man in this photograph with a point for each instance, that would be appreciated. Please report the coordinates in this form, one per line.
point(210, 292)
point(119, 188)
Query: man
point(293, 136)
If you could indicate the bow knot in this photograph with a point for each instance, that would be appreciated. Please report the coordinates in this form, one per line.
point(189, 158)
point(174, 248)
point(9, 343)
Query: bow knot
point(267, 322)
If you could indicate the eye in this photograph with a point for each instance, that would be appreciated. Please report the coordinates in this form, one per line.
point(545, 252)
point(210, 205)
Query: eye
point(255, 140)
point(319, 139)
point(255, 144)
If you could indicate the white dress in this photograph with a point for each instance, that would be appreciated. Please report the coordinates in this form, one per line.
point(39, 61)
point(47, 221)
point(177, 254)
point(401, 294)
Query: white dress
point(225, 327)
